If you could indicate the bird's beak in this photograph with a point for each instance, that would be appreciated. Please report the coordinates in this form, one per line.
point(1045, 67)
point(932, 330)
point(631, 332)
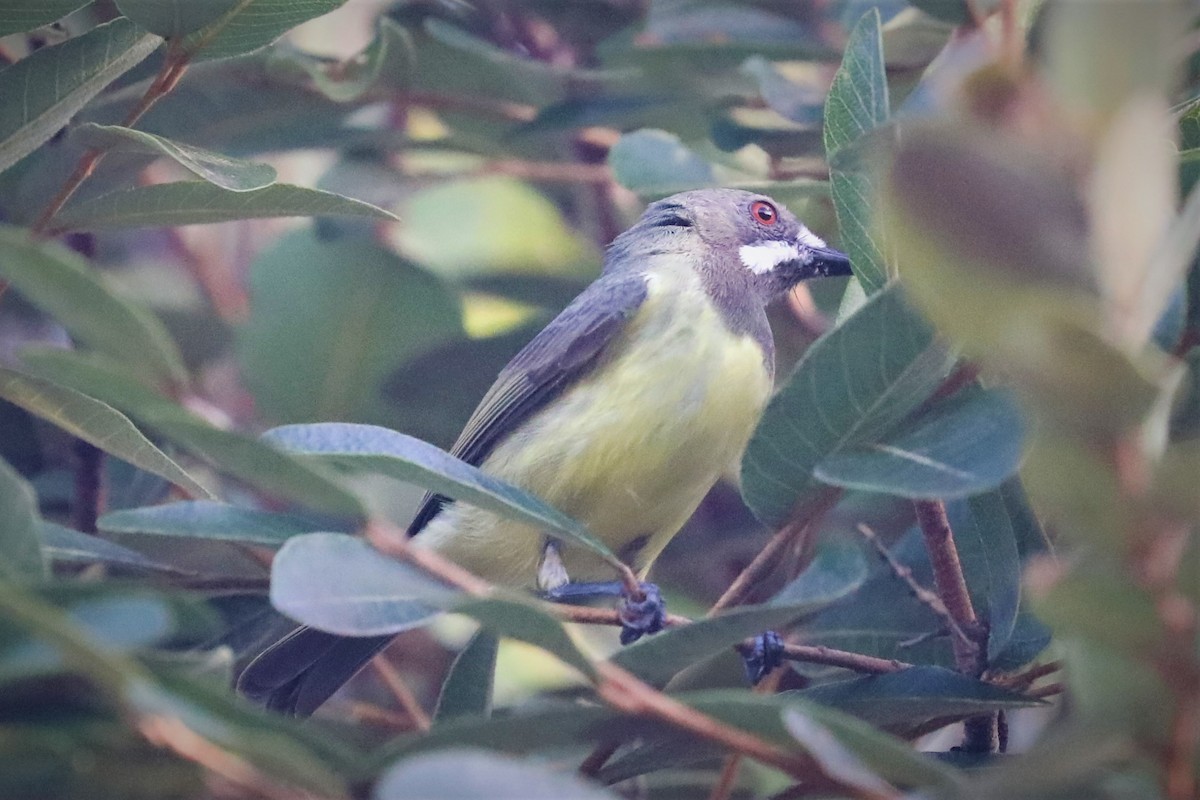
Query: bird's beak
point(828, 263)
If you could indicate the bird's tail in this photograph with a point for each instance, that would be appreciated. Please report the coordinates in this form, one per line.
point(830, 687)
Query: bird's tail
point(303, 670)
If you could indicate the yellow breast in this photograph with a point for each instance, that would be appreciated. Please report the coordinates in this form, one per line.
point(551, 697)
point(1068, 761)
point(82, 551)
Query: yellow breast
point(632, 448)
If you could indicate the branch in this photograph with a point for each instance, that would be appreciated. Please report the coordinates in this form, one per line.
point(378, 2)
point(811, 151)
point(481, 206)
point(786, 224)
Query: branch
point(615, 686)
point(802, 524)
point(400, 690)
point(923, 595)
point(172, 70)
point(970, 653)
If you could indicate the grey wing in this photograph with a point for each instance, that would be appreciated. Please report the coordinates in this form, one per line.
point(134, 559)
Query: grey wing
point(563, 351)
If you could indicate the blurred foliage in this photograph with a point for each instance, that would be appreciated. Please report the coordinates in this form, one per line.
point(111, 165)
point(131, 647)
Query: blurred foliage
point(1014, 181)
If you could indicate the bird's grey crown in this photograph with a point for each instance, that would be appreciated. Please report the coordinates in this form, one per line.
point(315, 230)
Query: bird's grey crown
point(708, 228)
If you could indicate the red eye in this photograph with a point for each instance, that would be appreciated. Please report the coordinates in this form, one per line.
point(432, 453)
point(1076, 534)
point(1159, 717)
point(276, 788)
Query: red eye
point(764, 212)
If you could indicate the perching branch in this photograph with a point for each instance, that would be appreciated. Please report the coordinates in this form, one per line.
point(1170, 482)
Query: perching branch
point(970, 652)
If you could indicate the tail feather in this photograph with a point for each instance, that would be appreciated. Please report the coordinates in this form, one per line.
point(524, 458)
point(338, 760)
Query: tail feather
point(304, 669)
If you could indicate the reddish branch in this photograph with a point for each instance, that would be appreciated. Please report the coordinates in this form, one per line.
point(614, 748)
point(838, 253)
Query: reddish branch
point(970, 653)
point(802, 525)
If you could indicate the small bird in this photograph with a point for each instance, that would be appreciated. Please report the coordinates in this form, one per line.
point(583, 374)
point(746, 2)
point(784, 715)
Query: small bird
point(622, 412)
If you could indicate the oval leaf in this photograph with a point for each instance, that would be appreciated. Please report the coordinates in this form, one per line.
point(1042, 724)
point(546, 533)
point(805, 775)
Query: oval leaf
point(63, 285)
point(234, 174)
point(206, 519)
point(856, 105)
point(376, 449)
point(200, 203)
point(20, 550)
point(467, 690)
point(340, 584)
point(966, 445)
point(40, 93)
point(250, 24)
point(914, 695)
point(852, 385)
point(174, 18)
point(94, 422)
point(331, 320)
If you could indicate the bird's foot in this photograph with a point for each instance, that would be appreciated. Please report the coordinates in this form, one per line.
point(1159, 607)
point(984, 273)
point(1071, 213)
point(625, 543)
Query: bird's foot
point(639, 616)
point(764, 656)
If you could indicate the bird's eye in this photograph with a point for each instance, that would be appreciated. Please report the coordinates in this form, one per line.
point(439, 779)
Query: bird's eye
point(763, 212)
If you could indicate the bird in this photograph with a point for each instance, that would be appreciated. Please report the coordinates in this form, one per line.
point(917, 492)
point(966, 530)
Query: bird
point(622, 412)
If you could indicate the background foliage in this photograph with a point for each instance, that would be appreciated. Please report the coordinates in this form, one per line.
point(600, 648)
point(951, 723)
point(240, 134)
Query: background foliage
point(200, 403)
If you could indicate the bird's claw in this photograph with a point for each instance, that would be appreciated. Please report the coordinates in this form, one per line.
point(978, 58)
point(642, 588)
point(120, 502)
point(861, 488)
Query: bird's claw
point(764, 656)
point(641, 617)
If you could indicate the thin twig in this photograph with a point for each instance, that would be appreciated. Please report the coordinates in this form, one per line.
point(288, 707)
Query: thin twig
point(926, 597)
point(401, 691)
point(173, 734)
point(804, 523)
point(172, 70)
point(857, 662)
point(970, 652)
point(812, 654)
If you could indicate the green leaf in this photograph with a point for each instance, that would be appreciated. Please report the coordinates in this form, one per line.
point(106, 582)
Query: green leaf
point(20, 551)
point(331, 319)
point(513, 228)
point(914, 695)
point(836, 573)
point(63, 285)
point(458, 772)
point(207, 519)
point(892, 759)
point(991, 561)
point(259, 465)
point(175, 18)
point(200, 203)
point(656, 162)
point(374, 449)
point(467, 690)
point(339, 583)
point(17, 16)
point(517, 618)
point(858, 104)
point(41, 92)
point(835, 759)
point(234, 174)
point(962, 446)
point(66, 546)
point(850, 387)
point(531, 728)
point(94, 422)
point(346, 81)
point(251, 24)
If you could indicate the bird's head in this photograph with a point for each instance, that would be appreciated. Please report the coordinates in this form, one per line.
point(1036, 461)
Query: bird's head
point(737, 239)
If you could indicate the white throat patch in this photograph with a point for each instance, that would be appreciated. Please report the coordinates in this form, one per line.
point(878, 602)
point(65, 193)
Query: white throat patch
point(764, 257)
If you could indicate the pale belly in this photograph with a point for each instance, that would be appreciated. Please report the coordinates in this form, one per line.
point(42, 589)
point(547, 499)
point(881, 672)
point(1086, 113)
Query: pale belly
point(629, 451)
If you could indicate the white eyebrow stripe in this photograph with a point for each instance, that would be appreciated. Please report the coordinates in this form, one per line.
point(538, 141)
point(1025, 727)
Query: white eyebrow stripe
point(809, 238)
point(766, 256)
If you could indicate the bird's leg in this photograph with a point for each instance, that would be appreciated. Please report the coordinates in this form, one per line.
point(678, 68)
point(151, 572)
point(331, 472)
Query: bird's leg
point(639, 616)
point(552, 572)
